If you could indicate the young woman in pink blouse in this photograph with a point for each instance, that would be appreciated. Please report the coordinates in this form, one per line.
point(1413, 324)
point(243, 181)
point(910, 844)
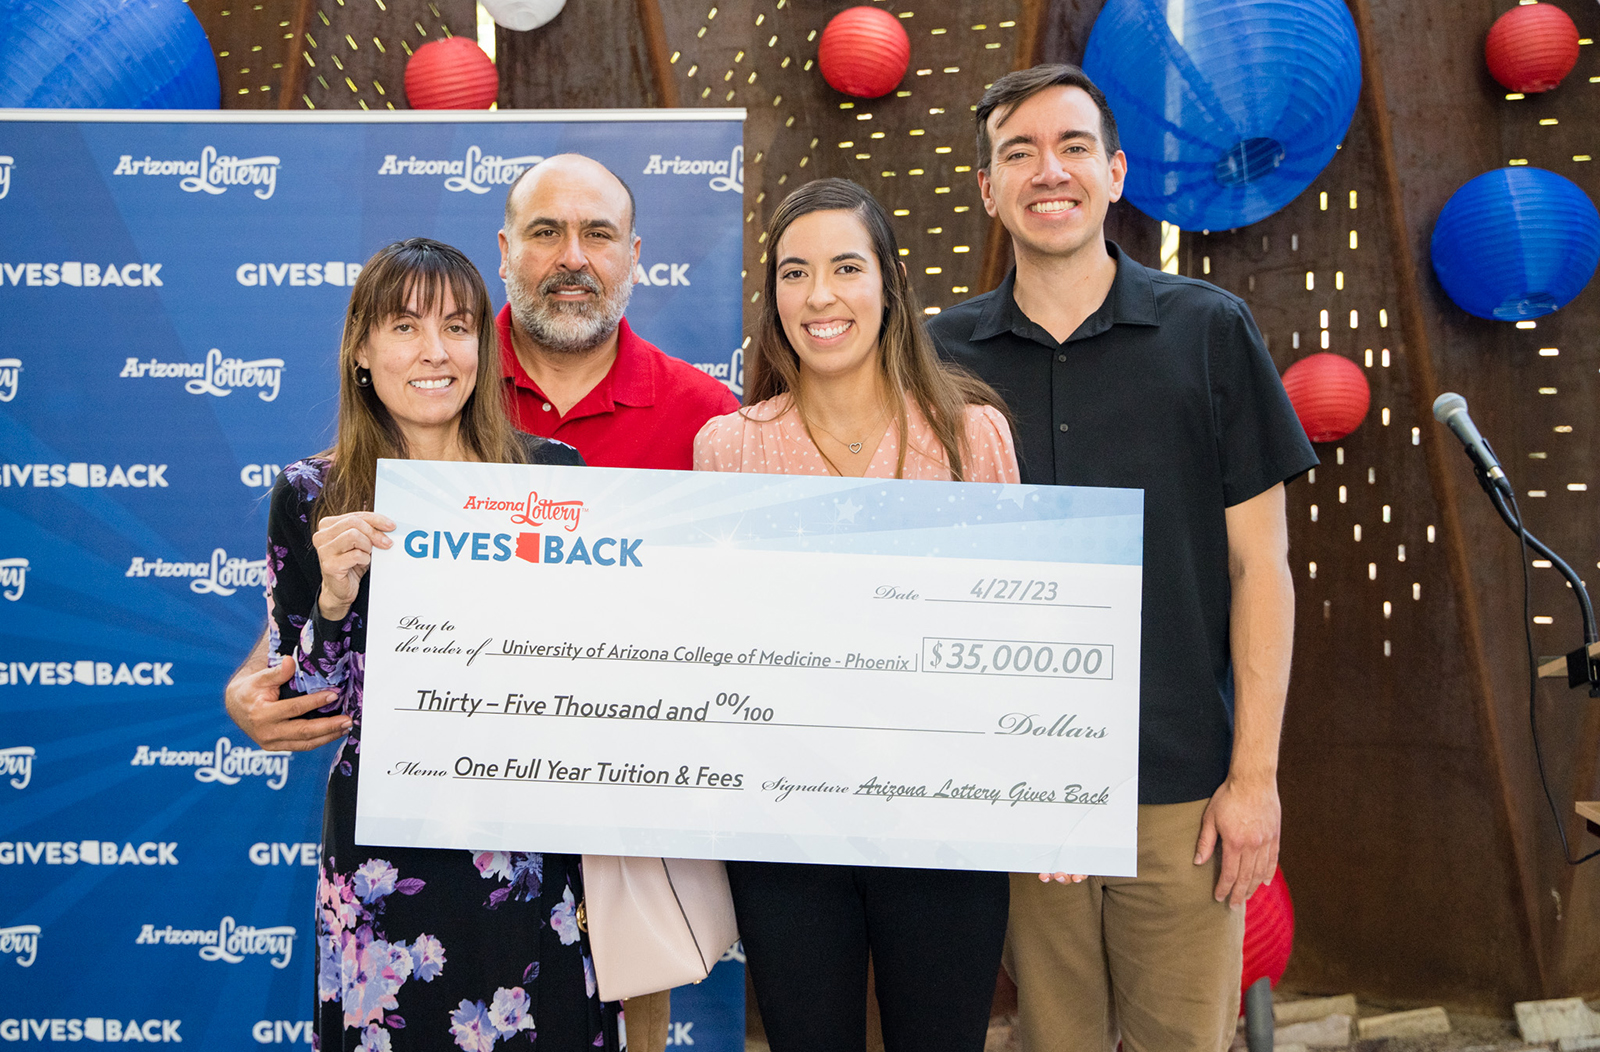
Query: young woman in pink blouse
point(841, 379)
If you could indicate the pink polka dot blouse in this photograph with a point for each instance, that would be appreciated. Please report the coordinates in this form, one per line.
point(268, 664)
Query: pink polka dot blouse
point(769, 437)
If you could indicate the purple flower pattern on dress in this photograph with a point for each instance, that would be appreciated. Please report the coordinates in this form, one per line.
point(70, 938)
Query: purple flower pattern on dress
point(527, 875)
point(476, 1027)
point(371, 972)
point(509, 1011)
point(374, 879)
point(427, 957)
point(564, 917)
point(522, 870)
point(470, 1026)
point(306, 476)
point(356, 965)
point(492, 864)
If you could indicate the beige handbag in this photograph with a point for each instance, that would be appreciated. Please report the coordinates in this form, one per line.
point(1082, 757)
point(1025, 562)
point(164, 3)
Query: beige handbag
point(655, 923)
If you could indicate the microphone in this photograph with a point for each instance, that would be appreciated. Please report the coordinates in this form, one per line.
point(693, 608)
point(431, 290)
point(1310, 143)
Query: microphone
point(1450, 409)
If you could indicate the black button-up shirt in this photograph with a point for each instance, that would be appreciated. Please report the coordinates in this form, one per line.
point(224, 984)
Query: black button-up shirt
point(1166, 387)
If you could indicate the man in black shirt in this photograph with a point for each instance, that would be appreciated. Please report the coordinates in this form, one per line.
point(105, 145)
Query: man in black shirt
point(1124, 376)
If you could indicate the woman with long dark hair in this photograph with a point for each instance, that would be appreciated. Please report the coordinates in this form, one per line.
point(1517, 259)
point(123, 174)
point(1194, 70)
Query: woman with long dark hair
point(416, 948)
point(841, 379)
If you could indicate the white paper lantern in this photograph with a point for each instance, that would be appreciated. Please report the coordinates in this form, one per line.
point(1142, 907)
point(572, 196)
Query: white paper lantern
point(522, 15)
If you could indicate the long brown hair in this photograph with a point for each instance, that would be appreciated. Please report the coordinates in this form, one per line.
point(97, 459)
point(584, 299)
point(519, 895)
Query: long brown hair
point(425, 269)
point(906, 358)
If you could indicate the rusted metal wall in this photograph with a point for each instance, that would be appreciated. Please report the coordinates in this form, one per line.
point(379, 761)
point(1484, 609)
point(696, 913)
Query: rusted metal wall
point(1417, 842)
point(1447, 121)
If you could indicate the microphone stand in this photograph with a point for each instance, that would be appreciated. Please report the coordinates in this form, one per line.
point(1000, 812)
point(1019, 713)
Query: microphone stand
point(1583, 664)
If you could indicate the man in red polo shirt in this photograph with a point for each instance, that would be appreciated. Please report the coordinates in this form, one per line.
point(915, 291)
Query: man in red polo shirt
point(575, 369)
point(575, 372)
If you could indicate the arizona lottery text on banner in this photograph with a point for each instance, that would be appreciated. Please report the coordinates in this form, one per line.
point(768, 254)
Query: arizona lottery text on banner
point(795, 669)
point(173, 286)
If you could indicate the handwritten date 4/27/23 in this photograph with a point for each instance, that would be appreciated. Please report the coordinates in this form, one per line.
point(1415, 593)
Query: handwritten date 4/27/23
point(1015, 590)
point(1008, 657)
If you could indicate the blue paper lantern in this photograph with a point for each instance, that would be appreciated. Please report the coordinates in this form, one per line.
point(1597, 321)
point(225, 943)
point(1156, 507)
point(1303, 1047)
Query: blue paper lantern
point(1227, 109)
point(121, 54)
point(1516, 243)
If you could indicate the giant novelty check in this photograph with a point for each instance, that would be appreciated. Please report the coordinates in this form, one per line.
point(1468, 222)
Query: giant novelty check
point(798, 669)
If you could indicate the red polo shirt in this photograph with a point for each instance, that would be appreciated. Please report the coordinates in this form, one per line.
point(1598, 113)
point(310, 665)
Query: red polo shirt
point(644, 413)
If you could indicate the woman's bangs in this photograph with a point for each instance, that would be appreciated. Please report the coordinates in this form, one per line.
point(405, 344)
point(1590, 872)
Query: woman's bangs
point(418, 285)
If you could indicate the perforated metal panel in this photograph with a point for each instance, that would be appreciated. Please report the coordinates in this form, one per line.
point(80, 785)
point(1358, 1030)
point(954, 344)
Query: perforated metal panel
point(912, 148)
point(1317, 279)
point(256, 47)
point(356, 50)
point(324, 54)
point(1554, 360)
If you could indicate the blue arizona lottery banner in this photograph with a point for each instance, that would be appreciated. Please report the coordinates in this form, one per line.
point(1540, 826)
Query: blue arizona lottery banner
point(172, 290)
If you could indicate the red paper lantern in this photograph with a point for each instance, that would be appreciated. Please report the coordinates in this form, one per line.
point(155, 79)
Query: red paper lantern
point(1531, 47)
point(1268, 933)
point(451, 74)
point(1330, 395)
point(864, 52)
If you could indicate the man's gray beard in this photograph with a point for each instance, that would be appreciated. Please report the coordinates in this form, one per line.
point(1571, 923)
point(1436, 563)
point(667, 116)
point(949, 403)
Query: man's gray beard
point(566, 328)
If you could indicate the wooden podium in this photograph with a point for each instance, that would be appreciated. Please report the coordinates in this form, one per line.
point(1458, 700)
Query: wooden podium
point(1590, 810)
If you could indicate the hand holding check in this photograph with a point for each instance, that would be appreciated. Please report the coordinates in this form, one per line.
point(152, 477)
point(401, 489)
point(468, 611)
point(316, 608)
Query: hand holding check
point(344, 546)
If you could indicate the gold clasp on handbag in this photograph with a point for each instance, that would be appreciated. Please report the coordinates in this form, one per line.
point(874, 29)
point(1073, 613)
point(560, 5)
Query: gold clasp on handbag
point(583, 915)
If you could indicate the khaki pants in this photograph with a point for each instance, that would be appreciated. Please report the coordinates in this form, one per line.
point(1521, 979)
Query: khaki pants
point(648, 1018)
point(1154, 960)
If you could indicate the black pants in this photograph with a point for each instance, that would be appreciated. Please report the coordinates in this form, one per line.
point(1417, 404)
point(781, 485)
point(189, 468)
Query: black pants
point(934, 936)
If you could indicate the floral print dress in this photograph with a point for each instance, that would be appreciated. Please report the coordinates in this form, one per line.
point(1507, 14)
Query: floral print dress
point(419, 948)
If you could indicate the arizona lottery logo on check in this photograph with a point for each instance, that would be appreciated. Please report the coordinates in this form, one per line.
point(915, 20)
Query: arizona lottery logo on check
point(782, 668)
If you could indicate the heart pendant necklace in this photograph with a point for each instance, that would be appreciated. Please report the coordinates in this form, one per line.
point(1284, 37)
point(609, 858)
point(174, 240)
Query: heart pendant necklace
point(854, 447)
